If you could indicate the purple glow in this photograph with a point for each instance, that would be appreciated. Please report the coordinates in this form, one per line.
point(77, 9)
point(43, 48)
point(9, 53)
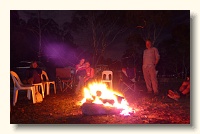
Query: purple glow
point(60, 54)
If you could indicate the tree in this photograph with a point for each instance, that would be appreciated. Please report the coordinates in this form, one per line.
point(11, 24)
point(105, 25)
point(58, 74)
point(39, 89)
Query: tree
point(97, 30)
point(150, 24)
point(157, 26)
point(37, 25)
point(19, 49)
point(181, 35)
point(133, 55)
point(170, 60)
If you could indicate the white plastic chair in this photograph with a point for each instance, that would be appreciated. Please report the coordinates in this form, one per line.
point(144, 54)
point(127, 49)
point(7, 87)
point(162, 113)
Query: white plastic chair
point(47, 82)
point(18, 85)
point(107, 77)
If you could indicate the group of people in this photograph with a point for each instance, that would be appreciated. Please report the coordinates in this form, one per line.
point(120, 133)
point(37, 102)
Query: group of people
point(85, 73)
point(151, 58)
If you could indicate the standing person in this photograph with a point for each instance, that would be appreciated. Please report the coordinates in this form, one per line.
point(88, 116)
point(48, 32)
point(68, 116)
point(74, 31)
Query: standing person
point(80, 74)
point(33, 74)
point(150, 60)
point(80, 66)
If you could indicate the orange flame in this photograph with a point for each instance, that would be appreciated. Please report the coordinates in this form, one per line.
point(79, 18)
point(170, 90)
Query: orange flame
point(98, 92)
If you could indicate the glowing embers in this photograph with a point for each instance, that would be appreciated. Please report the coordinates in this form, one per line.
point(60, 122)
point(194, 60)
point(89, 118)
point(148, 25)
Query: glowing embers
point(98, 99)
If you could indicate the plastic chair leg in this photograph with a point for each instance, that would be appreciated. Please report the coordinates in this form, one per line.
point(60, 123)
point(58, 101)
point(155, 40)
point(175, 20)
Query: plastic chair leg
point(54, 88)
point(15, 95)
point(33, 96)
point(29, 94)
point(48, 88)
point(42, 91)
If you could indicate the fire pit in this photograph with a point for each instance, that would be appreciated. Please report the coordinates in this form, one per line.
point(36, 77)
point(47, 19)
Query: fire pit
point(99, 100)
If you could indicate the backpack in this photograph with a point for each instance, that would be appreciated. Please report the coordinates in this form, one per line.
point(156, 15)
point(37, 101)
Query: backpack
point(38, 97)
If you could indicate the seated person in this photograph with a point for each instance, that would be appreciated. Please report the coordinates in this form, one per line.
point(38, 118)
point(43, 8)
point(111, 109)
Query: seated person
point(130, 73)
point(80, 66)
point(33, 74)
point(80, 71)
point(89, 73)
point(85, 79)
point(182, 92)
point(80, 74)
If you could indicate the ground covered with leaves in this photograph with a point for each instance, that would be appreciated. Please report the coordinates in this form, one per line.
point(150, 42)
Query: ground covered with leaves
point(64, 108)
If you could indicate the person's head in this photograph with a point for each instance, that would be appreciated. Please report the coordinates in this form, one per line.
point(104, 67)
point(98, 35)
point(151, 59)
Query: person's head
point(82, 61)
point(34, 64)
point(148, 44)
point(87, 64)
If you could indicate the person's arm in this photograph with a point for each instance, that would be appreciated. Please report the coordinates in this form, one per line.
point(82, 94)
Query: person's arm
point(79, 67)
point(157, 55)
point(90, 76)
point(92, 73)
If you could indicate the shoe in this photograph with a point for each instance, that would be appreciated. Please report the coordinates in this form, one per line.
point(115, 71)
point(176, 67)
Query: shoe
point(173, 97)
point(170, 92)
point(176, 95)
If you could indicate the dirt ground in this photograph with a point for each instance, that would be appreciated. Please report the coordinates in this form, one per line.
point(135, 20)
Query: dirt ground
point(64, 108)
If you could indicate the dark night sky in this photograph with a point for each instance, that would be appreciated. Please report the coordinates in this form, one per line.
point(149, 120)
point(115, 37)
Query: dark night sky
point(62, 16)
point(114, 51)
point(59, 16)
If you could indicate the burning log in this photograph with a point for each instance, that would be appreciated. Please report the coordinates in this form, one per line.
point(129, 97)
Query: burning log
point(98, 93)
point(119, 98)
point(98, 109)
point(108, 101)
point(98, 99)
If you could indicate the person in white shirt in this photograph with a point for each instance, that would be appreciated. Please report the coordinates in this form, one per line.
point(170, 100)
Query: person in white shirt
point(150, 60)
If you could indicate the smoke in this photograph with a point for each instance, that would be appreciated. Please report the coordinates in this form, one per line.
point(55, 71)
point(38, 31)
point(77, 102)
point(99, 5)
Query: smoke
point(61, 55)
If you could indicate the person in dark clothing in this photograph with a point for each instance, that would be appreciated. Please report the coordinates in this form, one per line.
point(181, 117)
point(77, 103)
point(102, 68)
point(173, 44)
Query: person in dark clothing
point(33, 74)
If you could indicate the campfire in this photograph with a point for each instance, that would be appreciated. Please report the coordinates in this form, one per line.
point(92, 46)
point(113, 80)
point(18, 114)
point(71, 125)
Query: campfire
point(98, 99)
